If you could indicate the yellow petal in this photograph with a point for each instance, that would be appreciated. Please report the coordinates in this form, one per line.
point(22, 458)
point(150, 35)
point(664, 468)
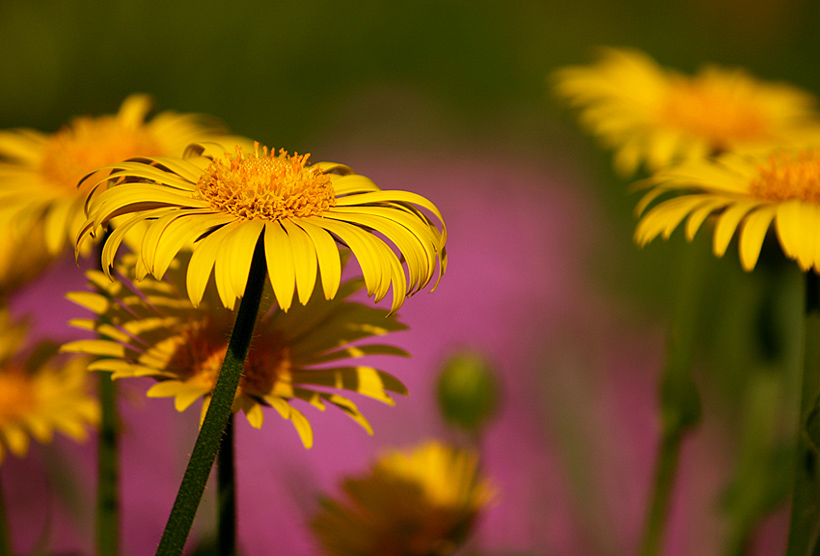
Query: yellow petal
point(279, 256)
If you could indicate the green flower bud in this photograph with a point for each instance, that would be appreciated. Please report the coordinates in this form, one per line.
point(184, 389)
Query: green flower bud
point(468, 390)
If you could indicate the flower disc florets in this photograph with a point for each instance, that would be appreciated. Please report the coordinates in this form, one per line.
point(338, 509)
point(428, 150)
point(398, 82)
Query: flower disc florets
point(267, 187)
point(92, 143)
point(200, 347)
point(789, 176)
point(707, 107)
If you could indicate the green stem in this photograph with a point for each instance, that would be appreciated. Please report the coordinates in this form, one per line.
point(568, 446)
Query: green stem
point(108, 506)
point(5, 536)
point(108, 526)
point(679, 401)
point(213, 426)
point(805, 516)
point(226, 497)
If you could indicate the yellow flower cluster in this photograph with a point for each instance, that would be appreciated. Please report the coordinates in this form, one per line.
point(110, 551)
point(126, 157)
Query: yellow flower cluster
point(720, 144)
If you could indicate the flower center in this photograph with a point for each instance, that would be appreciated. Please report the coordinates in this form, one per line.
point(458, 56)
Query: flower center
point(267, 186)
point(201, 349)
point(17, 396)
point(723, 114)
point(90, 143)
point(789, 176)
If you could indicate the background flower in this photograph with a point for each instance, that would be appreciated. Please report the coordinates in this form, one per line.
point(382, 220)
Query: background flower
point(40, 173)
point(653, 114)
point(150, 329)
point(421, 502)
point(40, 394)
point(752, 195)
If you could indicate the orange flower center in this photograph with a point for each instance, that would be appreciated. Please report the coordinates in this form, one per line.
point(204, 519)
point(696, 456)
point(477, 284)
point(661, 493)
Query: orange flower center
point(90, 143)
point(721, 114)
point(201, 349)
point(267, 186)
point(17, 396)
point(789, 176)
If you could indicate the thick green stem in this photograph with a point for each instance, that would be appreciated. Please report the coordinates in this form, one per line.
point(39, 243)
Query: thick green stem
point(108, 525)
point(805, 517)
point(213, 426)
point(679, 401)
point(5, 536)
point(226, 497)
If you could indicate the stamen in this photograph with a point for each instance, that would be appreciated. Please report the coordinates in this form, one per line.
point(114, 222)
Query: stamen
point(789, 176)
point(711, 109)
point(267, 187)
point(90, 143)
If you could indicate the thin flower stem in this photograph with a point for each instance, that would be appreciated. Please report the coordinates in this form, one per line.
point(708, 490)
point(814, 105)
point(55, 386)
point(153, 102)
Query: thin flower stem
point(108, 504)
point(213, 426)
point(5, 536)
point(108, 518)
point(805, 515)
point(226, 497)
point(679, 400)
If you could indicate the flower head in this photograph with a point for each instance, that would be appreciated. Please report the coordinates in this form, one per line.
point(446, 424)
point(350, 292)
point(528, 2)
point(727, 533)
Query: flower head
point(749, 194)
point(40, 395)
point(418, 503)
point(150, 328)
point(654, 114)
point(39, 172)
point(223, 203)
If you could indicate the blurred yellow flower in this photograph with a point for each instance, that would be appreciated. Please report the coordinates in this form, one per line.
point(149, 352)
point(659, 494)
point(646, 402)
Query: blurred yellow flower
point(39, 172)
point(150, 328)
point(21, 260)
point(41, 395)
point(656, 115)
point(224, 204)
point(418, 503)
point(749, 194)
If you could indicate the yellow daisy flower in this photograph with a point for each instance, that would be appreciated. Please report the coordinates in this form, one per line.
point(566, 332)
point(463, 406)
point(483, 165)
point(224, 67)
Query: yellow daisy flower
point(749, 194)
point(41, 395)
point(224, 204)
point(39, 172)
point(418, 503)
point(657, 115)
point(150, 328)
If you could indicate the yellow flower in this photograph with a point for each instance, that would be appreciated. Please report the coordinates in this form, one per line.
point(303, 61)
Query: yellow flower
point(418, 503)
point(41, 395)
point(224, 204)
point(21, 260)
point(39, 173)
point(654, 114)
point(749, 194)
point(150, 328)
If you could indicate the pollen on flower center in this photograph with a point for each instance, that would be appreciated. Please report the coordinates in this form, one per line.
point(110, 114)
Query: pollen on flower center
point(789, 176)
point(90, 143)
point(266, 186)
point(722, 115)
point(200, 349)
point(16, 396)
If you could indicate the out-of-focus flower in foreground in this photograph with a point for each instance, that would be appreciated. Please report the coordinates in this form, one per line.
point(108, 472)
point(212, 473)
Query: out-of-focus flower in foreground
point(42, 394)
point(150, 328)
point(225, 202)
point(39, 172)
point(652, 114)
point(418, 503)
point(749, 194)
